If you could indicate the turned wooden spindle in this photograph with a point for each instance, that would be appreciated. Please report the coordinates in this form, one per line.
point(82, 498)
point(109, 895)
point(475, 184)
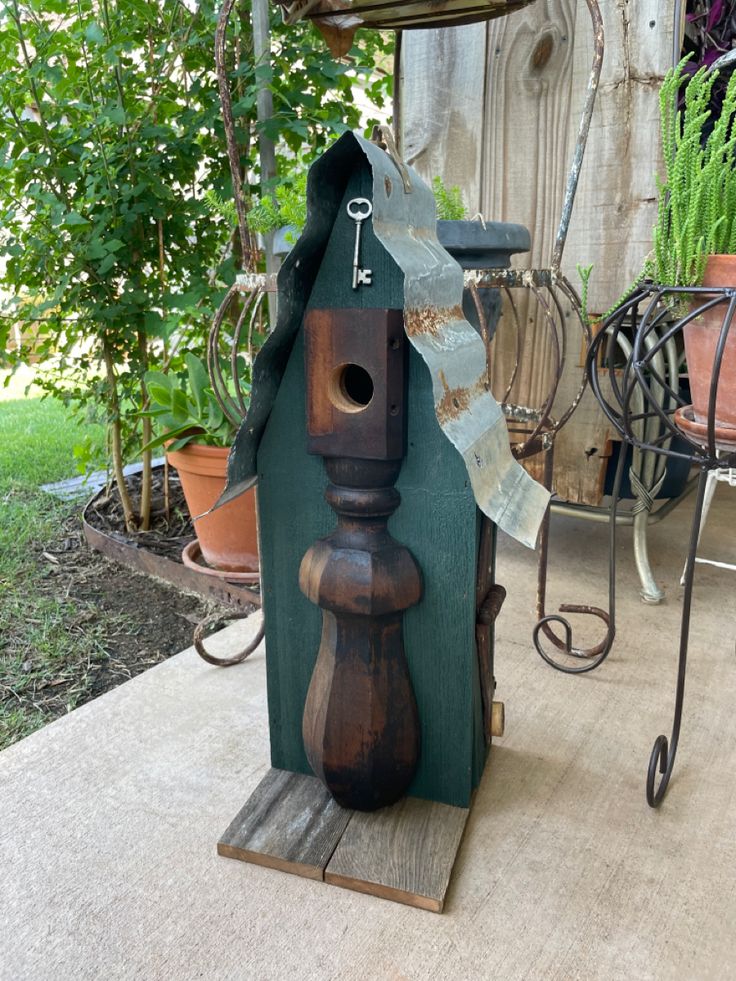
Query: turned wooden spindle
point(361, 727)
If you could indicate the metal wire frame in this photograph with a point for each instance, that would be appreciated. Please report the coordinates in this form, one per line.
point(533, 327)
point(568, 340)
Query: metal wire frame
point(642, 395)
point(533, 431)
point(534, 427)
point(541, 427)
point(250, 291)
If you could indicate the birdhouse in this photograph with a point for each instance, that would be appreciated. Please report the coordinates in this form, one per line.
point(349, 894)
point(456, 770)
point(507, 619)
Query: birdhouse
point(383, 467)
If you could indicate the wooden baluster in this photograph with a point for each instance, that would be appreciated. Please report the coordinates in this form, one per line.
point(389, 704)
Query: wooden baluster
point(361, 727)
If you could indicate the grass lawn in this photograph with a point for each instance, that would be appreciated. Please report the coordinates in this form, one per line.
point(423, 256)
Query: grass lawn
point(42, 641)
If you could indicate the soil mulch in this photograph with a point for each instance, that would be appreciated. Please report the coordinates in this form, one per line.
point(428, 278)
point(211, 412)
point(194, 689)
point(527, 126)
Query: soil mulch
point(171, 527)
point(136, 621)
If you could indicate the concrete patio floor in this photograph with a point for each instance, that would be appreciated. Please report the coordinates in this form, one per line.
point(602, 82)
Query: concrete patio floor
point(109, 817)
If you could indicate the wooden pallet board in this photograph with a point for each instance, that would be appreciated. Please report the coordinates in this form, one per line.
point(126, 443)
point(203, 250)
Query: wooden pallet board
point(290, 822)
point(404, 853)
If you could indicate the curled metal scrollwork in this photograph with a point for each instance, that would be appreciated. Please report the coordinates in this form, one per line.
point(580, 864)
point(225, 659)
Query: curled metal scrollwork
point(647, 408)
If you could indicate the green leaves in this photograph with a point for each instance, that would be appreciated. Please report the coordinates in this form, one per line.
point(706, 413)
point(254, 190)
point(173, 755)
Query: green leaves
point(115, 114)
point(696, 214)
point(287, 206)
point(94, 34)
point(73, 218)
point(449, 200)
point(107, 238)
point(198, 381)
point(189, 412)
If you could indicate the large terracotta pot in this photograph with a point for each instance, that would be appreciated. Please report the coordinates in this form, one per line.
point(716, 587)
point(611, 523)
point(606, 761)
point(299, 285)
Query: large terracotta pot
point(229, 536)
point(701, 339)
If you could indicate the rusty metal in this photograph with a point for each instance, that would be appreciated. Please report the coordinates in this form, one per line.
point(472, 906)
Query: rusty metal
point(582, 138)
point(383, 137)
point(533, 429)
point(246, 301)
point(594, 655)
point(191, 556)
point(338, 20)
point(141, 560)
point(217, 619)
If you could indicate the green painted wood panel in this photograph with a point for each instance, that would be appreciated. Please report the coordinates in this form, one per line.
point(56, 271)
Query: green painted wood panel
point(437, 520)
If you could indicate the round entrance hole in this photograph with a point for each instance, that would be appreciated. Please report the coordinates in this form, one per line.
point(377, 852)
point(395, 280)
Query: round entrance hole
point(351, 388)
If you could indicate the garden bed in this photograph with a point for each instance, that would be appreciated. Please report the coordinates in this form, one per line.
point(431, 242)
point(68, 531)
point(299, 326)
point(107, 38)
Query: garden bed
point(100, 622)
point(158, 551)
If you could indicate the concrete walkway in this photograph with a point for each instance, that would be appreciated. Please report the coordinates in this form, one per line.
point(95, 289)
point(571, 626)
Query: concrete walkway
point(109, 817)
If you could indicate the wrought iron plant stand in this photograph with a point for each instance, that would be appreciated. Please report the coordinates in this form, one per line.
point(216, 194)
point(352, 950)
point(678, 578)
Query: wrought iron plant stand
point(648, 411)
point(533, 429)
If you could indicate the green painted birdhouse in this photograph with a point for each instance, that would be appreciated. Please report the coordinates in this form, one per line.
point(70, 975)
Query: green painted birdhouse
point(377, 449)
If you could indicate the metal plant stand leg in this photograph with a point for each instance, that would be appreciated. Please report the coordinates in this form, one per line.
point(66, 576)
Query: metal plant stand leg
point(594, 656)
point(710, 489)
point(641, 396)
point(532, 429)
point(664, 751)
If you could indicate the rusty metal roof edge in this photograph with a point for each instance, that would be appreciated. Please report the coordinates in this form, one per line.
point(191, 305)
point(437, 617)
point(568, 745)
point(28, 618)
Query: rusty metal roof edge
point(405, 224)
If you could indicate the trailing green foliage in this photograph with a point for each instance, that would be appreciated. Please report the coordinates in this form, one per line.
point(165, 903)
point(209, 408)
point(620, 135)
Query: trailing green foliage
point(697, 200)
point(286, 206)
point(219, 207)
point(449, 200)
point(696, 215)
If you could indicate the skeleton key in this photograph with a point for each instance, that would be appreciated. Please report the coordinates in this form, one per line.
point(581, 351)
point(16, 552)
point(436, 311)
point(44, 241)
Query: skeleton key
point(359, 209)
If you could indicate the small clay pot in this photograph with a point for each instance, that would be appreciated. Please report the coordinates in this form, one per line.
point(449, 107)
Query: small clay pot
point(725, 436)
point(229, 536)
point(701, 339)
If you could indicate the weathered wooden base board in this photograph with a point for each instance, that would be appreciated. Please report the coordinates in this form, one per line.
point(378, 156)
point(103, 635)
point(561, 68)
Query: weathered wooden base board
point(404, 853)
point(290, 822)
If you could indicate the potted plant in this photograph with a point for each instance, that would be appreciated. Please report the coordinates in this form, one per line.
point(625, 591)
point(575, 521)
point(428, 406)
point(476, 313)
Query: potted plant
point(475, 243)
point(695, 235)
point(197, 436)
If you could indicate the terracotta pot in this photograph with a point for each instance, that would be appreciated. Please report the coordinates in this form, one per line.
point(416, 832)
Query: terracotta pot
point(725, 436)
point(701, 339)
point(229, 536)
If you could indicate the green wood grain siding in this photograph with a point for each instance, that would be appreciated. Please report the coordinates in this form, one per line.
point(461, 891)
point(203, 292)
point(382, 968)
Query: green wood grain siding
point(436, 520)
